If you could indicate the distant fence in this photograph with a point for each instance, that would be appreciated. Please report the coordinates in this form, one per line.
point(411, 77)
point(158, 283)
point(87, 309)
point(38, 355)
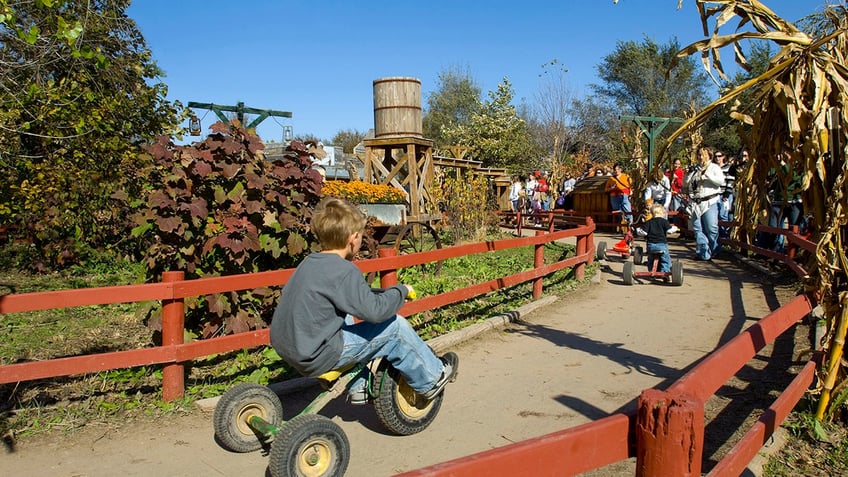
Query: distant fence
point(666, 432)
point(174, 289)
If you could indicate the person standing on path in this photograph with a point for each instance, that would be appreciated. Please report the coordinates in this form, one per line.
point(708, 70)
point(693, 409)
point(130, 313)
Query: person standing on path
point(618, 187)
point(567, 191)
point(705, 184)
point(658, 189)
point(676, 176)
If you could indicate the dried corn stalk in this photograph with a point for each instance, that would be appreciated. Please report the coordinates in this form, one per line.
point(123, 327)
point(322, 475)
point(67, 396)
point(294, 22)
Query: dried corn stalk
point(805, 82)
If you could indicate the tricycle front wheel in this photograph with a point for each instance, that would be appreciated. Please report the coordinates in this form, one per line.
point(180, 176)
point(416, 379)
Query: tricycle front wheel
point(310, 445)
point(402, 410)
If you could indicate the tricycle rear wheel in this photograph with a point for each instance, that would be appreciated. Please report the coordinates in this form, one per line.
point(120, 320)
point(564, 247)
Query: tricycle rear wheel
point(677, 273)
point(236, 406)
point(602, 251)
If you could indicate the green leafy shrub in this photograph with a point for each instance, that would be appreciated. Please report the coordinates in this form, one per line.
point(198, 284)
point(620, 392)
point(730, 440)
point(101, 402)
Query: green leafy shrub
point(466, 206)
point(218, 207)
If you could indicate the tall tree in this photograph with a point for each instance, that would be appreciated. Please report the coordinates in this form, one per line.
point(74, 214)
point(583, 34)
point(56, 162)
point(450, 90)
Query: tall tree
point(638, 79)
point(79, 95)
point(347, 139)
point(453, 102)
point(495, 134)
point(648, 79)
point(552, 114)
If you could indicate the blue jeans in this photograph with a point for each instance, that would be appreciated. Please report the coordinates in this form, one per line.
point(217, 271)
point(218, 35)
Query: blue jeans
point(706, 233)
point(622, 203)
point(396, 341)
point(779, 215)
point(725, 213)
point(665, 257)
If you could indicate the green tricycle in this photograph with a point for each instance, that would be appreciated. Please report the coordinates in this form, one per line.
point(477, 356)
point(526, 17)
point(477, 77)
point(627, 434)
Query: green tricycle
point(249, 417)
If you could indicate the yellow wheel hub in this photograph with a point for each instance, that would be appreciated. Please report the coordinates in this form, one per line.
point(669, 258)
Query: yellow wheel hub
point(315, 458)
point(410, 403)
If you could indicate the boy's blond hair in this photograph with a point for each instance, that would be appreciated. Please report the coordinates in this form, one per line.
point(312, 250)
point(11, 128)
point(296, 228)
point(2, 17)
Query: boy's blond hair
point(334, 221)
point(658, 210)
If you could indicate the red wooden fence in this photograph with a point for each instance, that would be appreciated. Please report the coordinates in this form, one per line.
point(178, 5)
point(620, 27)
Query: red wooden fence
point(666, 432)
point(173, 290)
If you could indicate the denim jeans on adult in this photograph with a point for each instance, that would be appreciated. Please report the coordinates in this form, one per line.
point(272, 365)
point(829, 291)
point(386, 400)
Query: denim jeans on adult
point(706, 232)
point(664, 256)
point(782, 216)
point(622, 203)
point(395, 340)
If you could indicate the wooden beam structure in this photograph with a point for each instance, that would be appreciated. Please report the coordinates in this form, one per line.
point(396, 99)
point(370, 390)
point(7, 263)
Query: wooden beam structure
point(410, 170)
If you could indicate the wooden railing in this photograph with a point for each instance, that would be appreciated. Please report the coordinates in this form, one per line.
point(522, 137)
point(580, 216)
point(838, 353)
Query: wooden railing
point(666, 432)
point(174, 289)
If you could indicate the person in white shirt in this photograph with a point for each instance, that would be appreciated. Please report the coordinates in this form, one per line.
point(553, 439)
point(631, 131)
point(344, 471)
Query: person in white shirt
point(568, 191)
point(658, 189)
point(704, 184)
point(515, 193)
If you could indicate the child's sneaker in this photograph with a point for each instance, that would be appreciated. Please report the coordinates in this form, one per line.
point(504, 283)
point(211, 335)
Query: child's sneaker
point(357, 396)
point(451, 362)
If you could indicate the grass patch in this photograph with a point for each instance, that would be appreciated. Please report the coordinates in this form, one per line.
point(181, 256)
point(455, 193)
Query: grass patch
point(812, 448)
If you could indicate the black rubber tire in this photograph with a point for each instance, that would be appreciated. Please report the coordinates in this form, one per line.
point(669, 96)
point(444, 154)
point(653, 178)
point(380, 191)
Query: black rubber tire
point(638, 255)
point(399, 408)
point(627, 273)
point(602, 251)
point(677, 273)
point(309, 445)
point(237, 405)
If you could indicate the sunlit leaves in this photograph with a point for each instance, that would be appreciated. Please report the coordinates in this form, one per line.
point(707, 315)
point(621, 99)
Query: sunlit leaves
point(77, 97)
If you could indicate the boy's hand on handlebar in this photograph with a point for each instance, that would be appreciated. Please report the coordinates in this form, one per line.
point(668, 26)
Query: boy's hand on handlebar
point(410, 294)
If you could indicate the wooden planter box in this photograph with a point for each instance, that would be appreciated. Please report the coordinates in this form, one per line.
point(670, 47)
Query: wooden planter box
point(389, 214)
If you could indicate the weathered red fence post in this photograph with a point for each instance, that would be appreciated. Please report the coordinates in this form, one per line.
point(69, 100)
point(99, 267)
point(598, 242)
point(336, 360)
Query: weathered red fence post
point(538, 261)
point(669, 434)
point(590, 243)
point(791, 247)
point(580, 268)
point(173, 333)
point(388, 278)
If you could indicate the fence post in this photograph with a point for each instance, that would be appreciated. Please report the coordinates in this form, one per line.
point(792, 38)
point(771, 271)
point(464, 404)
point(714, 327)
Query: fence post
point(669, 434)
point(791, 248)
point(520, 219)
point(538, 261)
point(580, 268)
point(173, 333)
point(388, 278)
point(590, 242)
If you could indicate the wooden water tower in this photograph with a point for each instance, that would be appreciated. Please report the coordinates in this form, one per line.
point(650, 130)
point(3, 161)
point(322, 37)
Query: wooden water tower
point(399, 155)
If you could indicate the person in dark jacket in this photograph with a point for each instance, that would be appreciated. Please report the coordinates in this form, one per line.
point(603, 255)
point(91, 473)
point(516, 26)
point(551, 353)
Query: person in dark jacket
point(329, 317)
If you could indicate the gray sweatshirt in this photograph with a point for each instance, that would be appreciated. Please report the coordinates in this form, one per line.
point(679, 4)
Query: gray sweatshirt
point(306, 327)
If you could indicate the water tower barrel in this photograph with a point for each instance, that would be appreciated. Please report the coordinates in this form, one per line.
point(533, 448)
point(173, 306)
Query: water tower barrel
point(397, 107)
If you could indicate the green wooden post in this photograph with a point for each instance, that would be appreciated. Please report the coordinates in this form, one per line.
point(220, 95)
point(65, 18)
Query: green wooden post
point(240, 111)
point(650, 130)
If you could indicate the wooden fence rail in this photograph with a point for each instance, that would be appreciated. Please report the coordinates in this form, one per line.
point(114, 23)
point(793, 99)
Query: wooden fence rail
point(173, 290)
point(666, 432)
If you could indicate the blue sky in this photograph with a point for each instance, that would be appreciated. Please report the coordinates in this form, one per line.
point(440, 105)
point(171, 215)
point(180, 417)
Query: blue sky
point(318, 59)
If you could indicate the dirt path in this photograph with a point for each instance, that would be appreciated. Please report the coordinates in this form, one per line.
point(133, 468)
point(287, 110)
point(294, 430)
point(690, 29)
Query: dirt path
point(586, 355)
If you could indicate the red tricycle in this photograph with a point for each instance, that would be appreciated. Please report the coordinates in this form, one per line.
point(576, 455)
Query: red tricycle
point(675, 275)
point(623, 247)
